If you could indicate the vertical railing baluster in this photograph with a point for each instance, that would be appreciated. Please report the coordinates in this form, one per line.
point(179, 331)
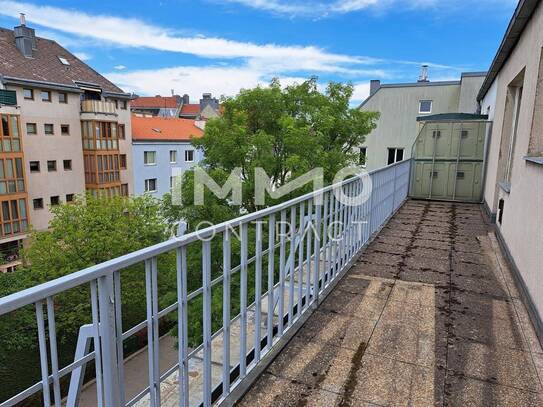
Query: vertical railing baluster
point(243, 302)
point(53, 349)
point(152, 330)
point(348, 225)
point(44, 364)
point(206, 277)
point(317, 250)
point(341, 235)
point(258, 289)
point(182, 326)
point(119, 334)
point(281, 302)
point(335, 245)
point(226, 260)
point(271, 268)
point(97, 345)
point(325, 277)
point(309, 244)
point(292, 262)
point(301, 231)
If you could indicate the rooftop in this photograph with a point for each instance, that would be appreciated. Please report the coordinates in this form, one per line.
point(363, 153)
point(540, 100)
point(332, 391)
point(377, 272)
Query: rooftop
point(46, 66)
point(164, 129)
point(170, 102)
point(190, 108)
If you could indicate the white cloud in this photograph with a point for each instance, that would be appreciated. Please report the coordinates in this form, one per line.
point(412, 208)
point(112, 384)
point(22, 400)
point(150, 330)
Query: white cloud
point(119, 67)
point(119, 31)
point(83, 56)
point(321, 8)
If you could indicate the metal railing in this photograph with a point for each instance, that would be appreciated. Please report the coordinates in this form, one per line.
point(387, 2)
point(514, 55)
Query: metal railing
point(278, 281)
point(98, 106)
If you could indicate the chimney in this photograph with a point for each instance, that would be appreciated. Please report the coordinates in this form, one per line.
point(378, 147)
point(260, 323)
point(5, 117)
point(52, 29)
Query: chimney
point(25, 39)
point(207, 100)
point(186, 99)
point(375, 84)
point(423, 74)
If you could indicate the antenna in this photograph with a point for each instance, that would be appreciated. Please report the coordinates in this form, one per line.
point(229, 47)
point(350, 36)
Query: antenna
point(423, 73)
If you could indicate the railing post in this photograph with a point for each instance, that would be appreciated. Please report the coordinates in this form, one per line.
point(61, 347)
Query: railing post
point(108, 343)
point(394, 192)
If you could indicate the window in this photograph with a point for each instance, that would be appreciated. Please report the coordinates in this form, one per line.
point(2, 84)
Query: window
point(45, 96)
point(122, 159)
point(535, 148)
point(37, 203)
point(62, 97)
point(173, 156)
point(69, 197)
point(124, 189)
point(67, 165)
point(513, 102)
point(13, 219)
point(55, 200)
point(189, 156)
point(149, 157)
point(425, 106)
point(150, 185)
point(65, 129)
point(101, 168)
point(363, 156)
point(394, 155)
point(122, 134)
point(31, 129)
point(63, 61)
point(11, 175)
point(99, 135)
point(28, 94)
point(51, 165)
point(49, 128)
point(9, 133)
point(123, 104)
point(172, 180)
point(34, 166)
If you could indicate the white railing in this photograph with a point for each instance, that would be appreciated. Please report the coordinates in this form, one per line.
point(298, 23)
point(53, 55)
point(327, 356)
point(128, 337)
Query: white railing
point(279, 279)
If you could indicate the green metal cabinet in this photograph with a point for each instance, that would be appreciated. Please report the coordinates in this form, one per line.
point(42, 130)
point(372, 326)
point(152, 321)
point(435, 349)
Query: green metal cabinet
point(449, 161)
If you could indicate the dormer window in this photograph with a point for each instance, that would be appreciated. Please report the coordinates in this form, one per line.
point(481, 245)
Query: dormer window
point(63, 61)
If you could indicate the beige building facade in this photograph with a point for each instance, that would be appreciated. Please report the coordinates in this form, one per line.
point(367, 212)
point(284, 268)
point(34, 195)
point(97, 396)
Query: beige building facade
point(399, 106)
point(513, 97)
point(66, 131)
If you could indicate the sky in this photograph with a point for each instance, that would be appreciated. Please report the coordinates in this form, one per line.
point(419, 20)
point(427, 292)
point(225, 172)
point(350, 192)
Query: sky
point(220, 46)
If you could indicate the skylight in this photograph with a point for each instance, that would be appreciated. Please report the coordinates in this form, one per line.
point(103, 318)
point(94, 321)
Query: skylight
point(63, 61)
point(157, 130)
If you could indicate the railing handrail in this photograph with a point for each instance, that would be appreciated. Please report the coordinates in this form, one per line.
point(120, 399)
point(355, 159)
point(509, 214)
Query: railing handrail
point(30, 295)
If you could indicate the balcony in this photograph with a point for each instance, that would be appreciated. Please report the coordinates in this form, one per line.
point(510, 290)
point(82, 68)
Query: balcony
point(8, 97)
point(98, 107)
point(401, 302)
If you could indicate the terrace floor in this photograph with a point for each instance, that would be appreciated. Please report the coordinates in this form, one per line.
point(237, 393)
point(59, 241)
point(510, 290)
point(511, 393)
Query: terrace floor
point(429, 315)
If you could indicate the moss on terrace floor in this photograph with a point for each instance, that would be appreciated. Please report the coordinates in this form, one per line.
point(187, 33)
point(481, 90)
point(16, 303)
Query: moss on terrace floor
point(429, 316)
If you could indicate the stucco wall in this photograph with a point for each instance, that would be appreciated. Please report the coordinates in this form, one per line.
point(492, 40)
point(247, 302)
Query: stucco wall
point(41, 147)
point(163, 168)
point(522, 222)
point(469, 88)
point(399, 107)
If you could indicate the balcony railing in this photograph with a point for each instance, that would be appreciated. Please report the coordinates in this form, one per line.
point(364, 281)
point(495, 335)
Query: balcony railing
point(97, 106)
point(8, 97)
point(279, 280)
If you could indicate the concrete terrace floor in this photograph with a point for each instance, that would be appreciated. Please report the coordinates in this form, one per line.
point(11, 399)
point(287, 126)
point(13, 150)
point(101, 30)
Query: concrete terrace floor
point(428, 316)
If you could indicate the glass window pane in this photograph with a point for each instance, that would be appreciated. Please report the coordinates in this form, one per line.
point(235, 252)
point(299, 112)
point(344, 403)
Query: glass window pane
point(3, 187)
point(12, 187)
point(14, 127)
point(22, 208)
point(5, 126)
point(7, 144)
point(14, 210)
point(19, 167)
point(5, 211)
point(9, 168)
point(20, 186)
point(16, 144)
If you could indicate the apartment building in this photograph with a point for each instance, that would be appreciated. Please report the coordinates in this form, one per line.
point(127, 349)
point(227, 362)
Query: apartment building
point(512, 96)
point(401, 104)
point(207, 108)
point(65, 130)
point(162, 149)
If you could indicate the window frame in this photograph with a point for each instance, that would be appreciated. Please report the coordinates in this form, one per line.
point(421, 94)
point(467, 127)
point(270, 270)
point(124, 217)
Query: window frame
point(145, 158)
point(396, 151)
point(189, 151)
point(123, 162)
point(62, 133)
point(147, 183)
point(37, 200)
point(35, 129)
point(52, 129)
point(424, 111)
point(70, 198)
point(57, 199)
point(55, 166)
point(30, 166)
point(64, 162)
point(49, 98)
point(174, 156)
point(31, 97)
point(65, 97)
point(363, 163)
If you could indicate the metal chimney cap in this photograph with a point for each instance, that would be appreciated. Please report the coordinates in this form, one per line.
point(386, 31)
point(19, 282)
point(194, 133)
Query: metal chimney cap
point(22, 18)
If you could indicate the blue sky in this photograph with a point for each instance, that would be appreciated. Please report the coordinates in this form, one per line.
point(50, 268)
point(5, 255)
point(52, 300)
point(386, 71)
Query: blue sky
point(220, 46)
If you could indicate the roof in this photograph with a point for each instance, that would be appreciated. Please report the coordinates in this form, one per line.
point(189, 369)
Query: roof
point(521, 16)
point(191, 108)
point(170, 102)
point(45, 67)
point(164, 129)
point(452, 117)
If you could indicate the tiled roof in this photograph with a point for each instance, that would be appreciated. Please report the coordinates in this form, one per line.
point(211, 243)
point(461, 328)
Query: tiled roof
point(169, 102)
point(164, 129)
point(45, 65)
point(191, 108)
